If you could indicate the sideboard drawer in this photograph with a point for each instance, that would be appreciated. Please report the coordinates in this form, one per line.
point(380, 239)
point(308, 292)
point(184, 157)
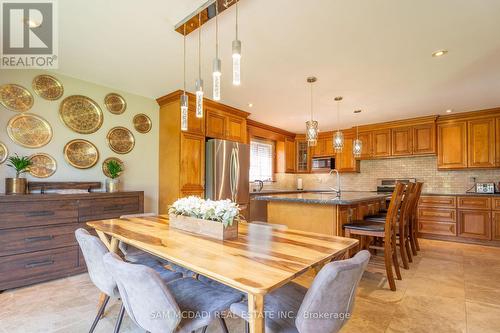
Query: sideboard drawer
point(29, 268)
point(474, 203)
point(35, 213)
point(437, 228)
point(108, 208)
point(438, 201)
point(23, 240)
point(437, 214)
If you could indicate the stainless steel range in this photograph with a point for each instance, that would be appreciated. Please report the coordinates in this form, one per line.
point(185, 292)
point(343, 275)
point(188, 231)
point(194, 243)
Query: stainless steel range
point(385, 185)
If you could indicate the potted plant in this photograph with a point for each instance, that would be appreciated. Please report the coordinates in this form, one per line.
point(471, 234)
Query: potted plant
point(115, 169)
point(215, 219)
point(18, 185)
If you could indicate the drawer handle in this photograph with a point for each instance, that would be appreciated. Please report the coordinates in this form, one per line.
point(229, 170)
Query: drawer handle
point(39, 264)
point(39, 213)
point(38, 239)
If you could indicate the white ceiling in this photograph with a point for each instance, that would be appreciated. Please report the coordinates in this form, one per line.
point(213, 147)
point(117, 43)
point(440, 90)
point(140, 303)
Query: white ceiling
point(376, 54)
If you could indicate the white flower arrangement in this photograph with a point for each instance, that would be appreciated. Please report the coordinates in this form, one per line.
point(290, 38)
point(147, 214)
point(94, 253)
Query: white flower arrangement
point(224, 211)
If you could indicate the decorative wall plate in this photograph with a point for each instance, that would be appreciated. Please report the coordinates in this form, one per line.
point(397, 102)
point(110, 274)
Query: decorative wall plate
point(15, 97)
point(81, 114)
point(43, 165)
point(120, 140)
point(29, 131)
point(48, 87)
point(81, 154)
point(4, 153)
point(142, 123)
point(105, 165)
point(115, 103)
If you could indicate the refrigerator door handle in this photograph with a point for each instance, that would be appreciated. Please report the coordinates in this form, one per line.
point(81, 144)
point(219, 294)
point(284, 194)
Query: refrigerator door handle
point(232, 176)
point(237, 173)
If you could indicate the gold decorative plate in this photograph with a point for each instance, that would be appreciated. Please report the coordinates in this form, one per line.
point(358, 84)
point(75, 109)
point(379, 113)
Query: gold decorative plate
point(48, 87)
point(105, 165)
point(120, 140)
point(115, 103)
point(81, 154)
point(4, 153)
point(142, 123)
point(43, 165)
point(15, 97)
point(29, 131)
point(81, 114)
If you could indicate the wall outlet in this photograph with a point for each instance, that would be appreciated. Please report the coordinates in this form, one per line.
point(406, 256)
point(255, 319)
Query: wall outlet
point(473, 179)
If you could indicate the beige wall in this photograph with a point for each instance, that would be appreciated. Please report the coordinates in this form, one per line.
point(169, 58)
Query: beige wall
point(141, 164)
point(422, 168)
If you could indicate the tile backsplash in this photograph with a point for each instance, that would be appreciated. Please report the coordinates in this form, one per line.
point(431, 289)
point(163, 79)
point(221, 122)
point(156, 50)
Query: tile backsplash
point(422, 168)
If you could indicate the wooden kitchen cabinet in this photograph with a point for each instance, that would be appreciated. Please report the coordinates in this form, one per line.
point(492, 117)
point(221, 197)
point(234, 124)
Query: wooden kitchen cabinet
point(192, 163)
point(481, 143)
point(474, 224)
point(382, 143)
point(367, 145)
point(437, 216)
point(402, 141)
point(215, 123)
point(302, 156)
point(495, 226)
point(452, 145)
point(424, 139)
point(345, 161)
point(285, 156)
point(236, 129)
point(224, 125)
point(324, 147)
point(497, 142)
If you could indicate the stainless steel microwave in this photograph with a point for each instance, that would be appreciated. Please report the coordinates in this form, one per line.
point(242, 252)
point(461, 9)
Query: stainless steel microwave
point(322, 164)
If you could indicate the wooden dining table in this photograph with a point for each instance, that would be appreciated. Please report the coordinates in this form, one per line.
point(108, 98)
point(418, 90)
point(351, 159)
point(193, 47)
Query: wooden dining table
point(262, 258)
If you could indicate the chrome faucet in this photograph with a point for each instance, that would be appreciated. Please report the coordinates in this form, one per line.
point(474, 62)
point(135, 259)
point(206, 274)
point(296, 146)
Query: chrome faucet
point(261, 184)
point(336, 190)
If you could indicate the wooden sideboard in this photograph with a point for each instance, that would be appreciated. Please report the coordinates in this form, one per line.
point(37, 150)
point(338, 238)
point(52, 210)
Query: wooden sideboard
point(37, 241)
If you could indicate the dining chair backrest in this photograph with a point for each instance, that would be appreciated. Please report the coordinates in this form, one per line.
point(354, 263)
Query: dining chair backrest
point(406, 205)
point(329, 301)
point(392, 211)
point(93, 251)
point(416, 199)
point(145, 296)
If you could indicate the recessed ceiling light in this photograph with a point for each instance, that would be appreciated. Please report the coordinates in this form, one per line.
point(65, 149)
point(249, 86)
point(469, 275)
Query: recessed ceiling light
point(449, 111)
point(33, 23)
point(250, 105)
point(357, 111)
point(439, 53)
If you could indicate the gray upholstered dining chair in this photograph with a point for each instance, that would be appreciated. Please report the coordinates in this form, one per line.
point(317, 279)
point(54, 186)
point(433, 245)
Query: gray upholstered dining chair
point(324, 308)
point(93, 251)
point(183, 305)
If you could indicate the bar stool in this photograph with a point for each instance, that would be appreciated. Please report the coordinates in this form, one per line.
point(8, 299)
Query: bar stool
point(385, 231)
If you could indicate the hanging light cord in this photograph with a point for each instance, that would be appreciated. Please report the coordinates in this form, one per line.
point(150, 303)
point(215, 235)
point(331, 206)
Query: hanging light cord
point(311, 101)
point(184, 58)
point(199, 45)
point(216, 30)
point(236, 19)
point(338, 116)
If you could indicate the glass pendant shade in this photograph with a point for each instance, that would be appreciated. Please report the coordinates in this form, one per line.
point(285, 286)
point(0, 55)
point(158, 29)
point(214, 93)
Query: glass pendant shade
point(236, 62)
point(357, 147)
point(338, 141)
point(184, 112)
point(216, 74)
point(312, 133)
point(199, 98)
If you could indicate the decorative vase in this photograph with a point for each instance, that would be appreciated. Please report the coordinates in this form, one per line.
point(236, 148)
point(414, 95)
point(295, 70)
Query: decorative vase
point(212, 229)
point(15, 186)
point(112, 185)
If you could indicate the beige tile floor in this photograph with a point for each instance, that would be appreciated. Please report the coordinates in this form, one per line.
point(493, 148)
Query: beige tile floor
point(450, 287)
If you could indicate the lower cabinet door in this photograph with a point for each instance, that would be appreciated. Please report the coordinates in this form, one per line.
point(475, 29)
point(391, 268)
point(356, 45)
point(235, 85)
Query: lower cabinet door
point(495, 226)
point(437, 228)
point(474, 224)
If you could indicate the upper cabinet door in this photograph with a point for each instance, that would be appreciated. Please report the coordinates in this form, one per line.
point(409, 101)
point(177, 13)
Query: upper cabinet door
point(366, 145)
point(236, 129)
point(481, 134)
point(382, 143)
point(195, 125)
point(192, 164)
point(216, 124)
point(289, 155)
point(302, 156)
point(497, 143)
point(452, 145)
point(328, 144)
point(345, 161)
point(402, 141)
point(424, 139)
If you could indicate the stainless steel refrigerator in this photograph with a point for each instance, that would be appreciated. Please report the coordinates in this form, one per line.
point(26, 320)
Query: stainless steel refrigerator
point(227, 172)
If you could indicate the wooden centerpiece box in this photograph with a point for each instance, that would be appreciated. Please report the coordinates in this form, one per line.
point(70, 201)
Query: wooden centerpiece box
point(37, 241)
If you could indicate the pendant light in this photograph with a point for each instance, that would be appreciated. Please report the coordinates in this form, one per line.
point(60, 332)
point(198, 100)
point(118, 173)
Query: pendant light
point(236, 54)
point(311, 125)
point(199, 82)
point(338, 139)
point(184, 97)
point(216, 73)
point(357, 145)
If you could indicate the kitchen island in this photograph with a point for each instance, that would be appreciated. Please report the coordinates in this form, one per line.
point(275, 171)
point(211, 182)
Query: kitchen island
point(322, 212)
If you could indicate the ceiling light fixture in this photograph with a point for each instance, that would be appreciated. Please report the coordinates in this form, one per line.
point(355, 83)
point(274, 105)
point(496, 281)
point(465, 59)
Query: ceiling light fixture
point(184, 97)
point(439, 53)
point(236, 54)
point(312, 125)
point(199, 82)
point(216, 73)
point(449, 111)
point(338, 139)
point(250, 105)
point(357, 146)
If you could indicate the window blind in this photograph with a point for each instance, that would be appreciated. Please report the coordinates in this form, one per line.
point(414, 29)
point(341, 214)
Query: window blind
point(261, 160)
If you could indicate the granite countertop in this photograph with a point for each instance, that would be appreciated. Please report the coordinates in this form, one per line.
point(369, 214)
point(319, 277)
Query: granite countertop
point(326, 198)
point(463, 194)
point(277, 191)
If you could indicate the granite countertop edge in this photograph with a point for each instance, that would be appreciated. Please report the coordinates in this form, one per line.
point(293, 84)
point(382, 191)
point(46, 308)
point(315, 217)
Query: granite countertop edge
point(323, 201)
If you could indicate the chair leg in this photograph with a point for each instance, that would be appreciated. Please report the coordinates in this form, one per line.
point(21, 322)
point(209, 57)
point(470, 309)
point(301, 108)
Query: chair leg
point(395, 259)
point(408, 250)
point(417, 245)
point(99, 313)
point(388, 265)
point(120, 319)
point(204, 330)
point(412, 243)
point(402, 250)
point(223, 325)
point(247, 327)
